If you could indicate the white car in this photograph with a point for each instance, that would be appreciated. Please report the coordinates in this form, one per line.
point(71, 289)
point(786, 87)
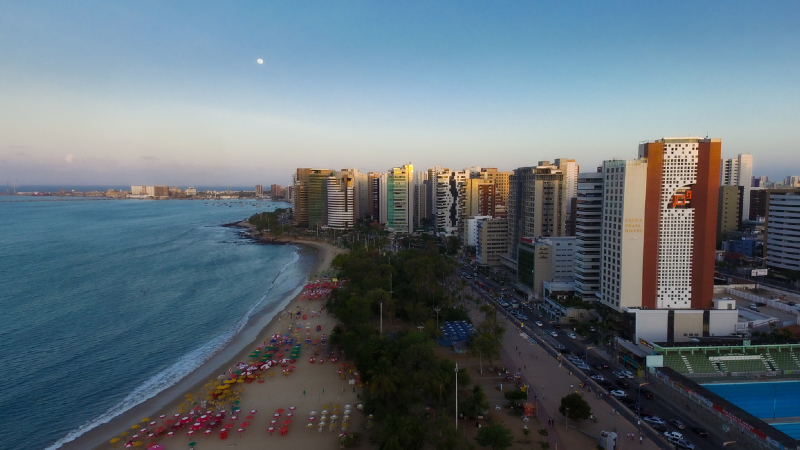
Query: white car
point(617, 393)
point(583, 367)
point(627, 373)
point(653, 420)
point(554, 334)
point(538, 323)
point(618, 374)
point(597, 377)
point(673, 435)
point(572, 336)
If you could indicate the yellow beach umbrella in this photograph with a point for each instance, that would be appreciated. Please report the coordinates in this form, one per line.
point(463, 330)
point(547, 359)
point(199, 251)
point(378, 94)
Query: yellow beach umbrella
point(135, 426)
point(146, 419)
point(124, 433)
point(240, 380)
point(114, 441)
point(229, 381)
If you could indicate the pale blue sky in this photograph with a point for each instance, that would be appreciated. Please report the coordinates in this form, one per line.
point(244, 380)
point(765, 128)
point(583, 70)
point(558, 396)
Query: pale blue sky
point(166, 92)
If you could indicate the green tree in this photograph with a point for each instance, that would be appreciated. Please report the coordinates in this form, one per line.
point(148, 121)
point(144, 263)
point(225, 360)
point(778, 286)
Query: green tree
point(476, 403)
point(516, 398)
point(527, 433)
point(496, 436)
point(579, 408)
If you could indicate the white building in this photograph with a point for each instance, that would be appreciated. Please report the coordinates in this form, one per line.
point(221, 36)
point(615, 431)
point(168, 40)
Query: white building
point(588, 235)
point(782, 230)
point(448, 186)
point(738, 172)
point(570, 170)
point(471, 230)
point(341, 200)
point(622, 250)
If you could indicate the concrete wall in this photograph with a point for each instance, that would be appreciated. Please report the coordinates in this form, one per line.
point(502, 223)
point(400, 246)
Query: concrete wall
point(688, 325)
point(651, 325)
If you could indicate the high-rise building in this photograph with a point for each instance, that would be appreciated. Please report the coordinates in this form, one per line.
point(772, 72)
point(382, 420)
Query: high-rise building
point(373, 197)
point(761, 182)
point(729, 217)
point(535, 204)
point(492, 235)
point(738, 172)
point(570, 169)
point(448, 187)
point(310, 197)
point(275, 191)
point(476, 198)
point(400, 199)
point(792, 181)
point(500, 181)
point(421, 209)
point(341, 200)
point(659, 225)
point(758, 203)
point(782, 235)
point(545, 259)
point(588, 234)
point(259, 190)
point(360, 192)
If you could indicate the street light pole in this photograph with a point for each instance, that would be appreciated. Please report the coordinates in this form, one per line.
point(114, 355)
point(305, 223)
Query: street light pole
point(456, 396)
point(639, 406)
point(566, 419)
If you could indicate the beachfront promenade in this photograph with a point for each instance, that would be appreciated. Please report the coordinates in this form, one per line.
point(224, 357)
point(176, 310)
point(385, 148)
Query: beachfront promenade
point(550, 383)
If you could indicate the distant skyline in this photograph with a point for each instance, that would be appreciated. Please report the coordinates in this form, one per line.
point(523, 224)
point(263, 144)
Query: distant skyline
point(97, 93)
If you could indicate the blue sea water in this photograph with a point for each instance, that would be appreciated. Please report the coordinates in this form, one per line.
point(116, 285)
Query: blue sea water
point(765, 400)
point(106, 302)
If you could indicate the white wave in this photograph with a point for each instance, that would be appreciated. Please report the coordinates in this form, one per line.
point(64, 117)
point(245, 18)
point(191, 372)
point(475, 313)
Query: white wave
point(177, 371)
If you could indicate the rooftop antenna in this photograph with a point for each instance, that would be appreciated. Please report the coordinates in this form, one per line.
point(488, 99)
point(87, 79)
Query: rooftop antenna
point(706, 134)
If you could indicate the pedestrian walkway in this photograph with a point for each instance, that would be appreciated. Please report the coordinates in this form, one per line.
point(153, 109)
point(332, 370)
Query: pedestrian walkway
point(550, 382)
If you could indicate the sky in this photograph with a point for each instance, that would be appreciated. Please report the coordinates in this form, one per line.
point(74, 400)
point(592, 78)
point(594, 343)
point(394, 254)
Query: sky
point(157, 92)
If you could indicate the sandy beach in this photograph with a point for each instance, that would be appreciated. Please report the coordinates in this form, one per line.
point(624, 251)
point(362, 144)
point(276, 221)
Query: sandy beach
point(310, 387)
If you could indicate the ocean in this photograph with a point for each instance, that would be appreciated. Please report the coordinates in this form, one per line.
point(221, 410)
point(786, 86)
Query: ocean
point(107, 302)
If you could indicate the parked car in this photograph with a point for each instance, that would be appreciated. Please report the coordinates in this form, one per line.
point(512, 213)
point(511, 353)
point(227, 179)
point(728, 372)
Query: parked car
point(627, 401)
point(658, 427)
point(572, 336)
point(554, 334)
point(646, 394)
point(673, 435)
point(596, 366)
point(628, 373)
point(677, 424)
point(538, 323)
point(653, 419)
point(699, 431)
point(597, 377)
point(559, 347)
point(582, 367)
point(564, 351)
point(623, 384)
point(523, 317)
point(618, 374)
point(617, 393)
point(683, 443)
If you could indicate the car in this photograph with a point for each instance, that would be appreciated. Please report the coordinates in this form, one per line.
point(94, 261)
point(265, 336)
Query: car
point(791, 303)
point(523, 317)
point(627, 373)
point(617, 393)
point(677, 424)
point(699, 431)
point(564, 351)
point(596, 366)
point(572, 336)
point(592, 329)
point(646, 394)
point(682, 443)
point(658, 427)
point(559, 347)
point(597, 377)
point(623, 384)
point(575, 359)
point(673, 435)
point(629, 402)
point(606, 384)
point(538, 323)
point(557, 326)
point(554, 334)
point(653, 419)
point(618, 374)
point(583, 367)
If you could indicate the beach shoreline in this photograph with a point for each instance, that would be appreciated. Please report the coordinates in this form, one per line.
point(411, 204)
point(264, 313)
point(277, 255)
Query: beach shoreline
point(258, 329)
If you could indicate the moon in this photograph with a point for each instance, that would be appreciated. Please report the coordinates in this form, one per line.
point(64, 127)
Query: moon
point(260, 61)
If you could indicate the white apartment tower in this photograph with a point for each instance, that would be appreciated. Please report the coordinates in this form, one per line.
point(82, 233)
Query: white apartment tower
point(739, 172)
point(588, 234)
point(448, 186)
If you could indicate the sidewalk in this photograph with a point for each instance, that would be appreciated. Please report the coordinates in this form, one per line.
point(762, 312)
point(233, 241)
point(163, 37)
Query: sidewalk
point(550, 383)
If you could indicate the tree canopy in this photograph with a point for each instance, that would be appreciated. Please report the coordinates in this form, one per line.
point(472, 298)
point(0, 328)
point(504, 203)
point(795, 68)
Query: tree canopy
point(579, 408)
